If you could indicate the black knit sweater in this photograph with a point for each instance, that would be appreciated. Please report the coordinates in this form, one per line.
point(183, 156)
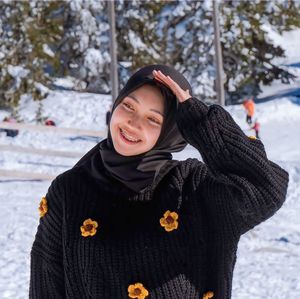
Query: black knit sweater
point(180, 254)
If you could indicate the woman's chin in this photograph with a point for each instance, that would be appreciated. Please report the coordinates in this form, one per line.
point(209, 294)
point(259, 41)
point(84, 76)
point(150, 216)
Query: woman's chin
point(126, 148)
point(125, 151)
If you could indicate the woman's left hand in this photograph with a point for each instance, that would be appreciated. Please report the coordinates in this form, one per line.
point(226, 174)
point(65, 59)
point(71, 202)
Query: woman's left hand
point(182, 95)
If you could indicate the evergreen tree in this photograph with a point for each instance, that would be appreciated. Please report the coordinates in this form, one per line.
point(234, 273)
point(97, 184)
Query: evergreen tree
point(137, 39)
point(29, 34)
point(85, 48)
point(44, 39)
point(248, 54)
point(177, 33)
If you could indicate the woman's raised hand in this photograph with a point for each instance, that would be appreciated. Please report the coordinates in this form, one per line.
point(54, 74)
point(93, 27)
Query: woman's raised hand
point(182, 95)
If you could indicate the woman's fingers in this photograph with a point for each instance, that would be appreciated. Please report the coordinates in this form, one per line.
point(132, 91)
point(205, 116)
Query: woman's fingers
point(167, 80)
point(160, 80)
point(163, 77)
point(181, 94)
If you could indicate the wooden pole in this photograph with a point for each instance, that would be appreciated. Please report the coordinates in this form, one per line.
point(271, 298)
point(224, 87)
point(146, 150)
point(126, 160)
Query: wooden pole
point(218, 56)
point(113, 51)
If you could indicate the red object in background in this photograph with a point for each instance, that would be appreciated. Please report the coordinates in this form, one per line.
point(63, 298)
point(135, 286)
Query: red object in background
point(256, 126)
point(50, 122)
point(9, 119)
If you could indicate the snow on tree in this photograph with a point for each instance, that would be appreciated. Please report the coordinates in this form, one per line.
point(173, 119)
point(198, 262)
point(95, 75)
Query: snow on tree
point(85, 50)
point(248, 53)
point(29, 30)
point(176, 33)
point(44, 39)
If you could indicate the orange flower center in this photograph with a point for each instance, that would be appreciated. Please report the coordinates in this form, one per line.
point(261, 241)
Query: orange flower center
point(137, 291)
point(88, 227)
point(169, 219)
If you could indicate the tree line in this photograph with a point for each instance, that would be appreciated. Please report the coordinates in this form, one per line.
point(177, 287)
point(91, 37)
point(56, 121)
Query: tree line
point(43, 40)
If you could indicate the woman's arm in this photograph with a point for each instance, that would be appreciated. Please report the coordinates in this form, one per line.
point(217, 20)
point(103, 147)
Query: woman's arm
point(242, 187)
point(47, 271)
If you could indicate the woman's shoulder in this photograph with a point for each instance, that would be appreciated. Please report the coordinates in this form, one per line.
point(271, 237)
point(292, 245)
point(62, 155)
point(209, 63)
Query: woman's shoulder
point(69, 176)
point(71, 172)
point(65, 186)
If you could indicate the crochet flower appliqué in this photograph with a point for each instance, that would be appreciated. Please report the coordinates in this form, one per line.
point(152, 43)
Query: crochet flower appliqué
point(43, 207)
point(138, 291)
point(169, 221)
point(89, 228)
point(252, 137)
point(208, 295)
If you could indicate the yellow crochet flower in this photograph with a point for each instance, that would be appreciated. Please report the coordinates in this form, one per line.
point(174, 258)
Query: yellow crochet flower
point(89, 228)
point(169, 221)
point(138, 291)
point(208, 295)
point(43, 207)
point(252, 137)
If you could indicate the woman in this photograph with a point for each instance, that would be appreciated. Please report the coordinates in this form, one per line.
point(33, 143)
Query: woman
point(128, 221)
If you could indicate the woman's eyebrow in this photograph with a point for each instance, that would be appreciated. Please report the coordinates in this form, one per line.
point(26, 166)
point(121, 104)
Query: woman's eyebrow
point(135, 99)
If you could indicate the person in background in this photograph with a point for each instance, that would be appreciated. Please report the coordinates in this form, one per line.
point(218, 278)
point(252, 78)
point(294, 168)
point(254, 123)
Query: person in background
point(108, 115)
point(10, 132)
point(250, 108)
point(256, 128)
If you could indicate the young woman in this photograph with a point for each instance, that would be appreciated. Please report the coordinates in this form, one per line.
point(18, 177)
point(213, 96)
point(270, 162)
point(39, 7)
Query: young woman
point(128, 221)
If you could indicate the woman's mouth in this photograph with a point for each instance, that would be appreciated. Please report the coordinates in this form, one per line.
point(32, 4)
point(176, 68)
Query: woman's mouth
point(127, 138)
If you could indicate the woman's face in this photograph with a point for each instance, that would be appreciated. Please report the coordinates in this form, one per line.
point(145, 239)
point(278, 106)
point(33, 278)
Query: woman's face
point(137, 121)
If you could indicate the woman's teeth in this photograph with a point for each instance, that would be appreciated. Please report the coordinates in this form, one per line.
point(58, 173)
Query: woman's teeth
point(128, 137)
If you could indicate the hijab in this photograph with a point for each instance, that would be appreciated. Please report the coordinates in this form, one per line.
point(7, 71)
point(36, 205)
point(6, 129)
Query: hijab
point(140, 172)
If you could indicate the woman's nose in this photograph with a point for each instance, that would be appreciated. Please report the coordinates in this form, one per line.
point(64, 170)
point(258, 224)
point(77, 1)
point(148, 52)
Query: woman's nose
point(135, 121)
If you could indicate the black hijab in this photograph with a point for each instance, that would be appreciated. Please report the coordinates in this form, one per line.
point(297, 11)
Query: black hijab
point(141, 171)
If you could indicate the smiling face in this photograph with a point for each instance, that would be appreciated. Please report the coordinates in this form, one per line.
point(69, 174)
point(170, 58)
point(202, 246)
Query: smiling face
point(137, 121)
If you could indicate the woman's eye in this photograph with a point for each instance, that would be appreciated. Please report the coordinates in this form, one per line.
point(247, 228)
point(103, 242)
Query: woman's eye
point(154, 120)
point(127, 106)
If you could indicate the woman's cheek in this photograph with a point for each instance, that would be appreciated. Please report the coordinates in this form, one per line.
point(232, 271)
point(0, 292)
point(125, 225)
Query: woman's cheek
point(122, 114)
point(154, 132)
point(117, 116)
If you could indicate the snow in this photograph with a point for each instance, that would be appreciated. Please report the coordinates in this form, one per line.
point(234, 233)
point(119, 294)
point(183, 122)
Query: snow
point(278, 87)
point(17, 71)
point(47, 50)
point(268, 256)
point(180, 30)
point(89, 112)
point(288, 40)
point(65, 82)
point(89, 25)
point(138, 44)
point(94, 61)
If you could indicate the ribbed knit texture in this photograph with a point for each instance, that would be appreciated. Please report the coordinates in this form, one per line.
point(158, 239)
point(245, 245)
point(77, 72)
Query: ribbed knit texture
point(235, 189)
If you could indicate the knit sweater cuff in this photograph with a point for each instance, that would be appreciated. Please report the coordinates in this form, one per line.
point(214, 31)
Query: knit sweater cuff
point(192, 109)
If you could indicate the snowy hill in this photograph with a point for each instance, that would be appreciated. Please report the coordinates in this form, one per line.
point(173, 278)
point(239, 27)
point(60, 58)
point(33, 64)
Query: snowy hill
point(269, 255)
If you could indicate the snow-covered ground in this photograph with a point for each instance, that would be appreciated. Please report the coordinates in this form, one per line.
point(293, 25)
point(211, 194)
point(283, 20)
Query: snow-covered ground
point(268, 256)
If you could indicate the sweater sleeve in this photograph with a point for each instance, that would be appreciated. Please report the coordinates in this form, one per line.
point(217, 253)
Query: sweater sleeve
point(47, 271)
point(241, 187)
